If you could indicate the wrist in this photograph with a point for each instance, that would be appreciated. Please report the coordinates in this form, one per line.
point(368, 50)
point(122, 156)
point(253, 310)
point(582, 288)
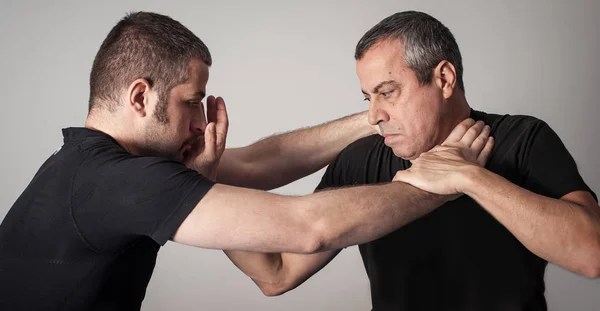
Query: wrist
point(366, 128)
point(470, 179)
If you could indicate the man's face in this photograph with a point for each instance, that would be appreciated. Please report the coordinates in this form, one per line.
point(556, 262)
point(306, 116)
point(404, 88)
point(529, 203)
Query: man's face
point(185, 118)
point(408, 114)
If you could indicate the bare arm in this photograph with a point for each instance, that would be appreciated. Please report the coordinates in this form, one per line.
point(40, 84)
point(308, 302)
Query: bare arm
point(233, 218)
point(277, 273)
point(564, 231)
point(277, 160)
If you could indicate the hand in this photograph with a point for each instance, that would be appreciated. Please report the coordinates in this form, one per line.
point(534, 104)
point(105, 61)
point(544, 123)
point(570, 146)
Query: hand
point(441, 169)
point(472, 139)
point(215, 135)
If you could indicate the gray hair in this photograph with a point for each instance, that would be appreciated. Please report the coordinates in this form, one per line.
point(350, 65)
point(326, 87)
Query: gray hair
point(426, 43)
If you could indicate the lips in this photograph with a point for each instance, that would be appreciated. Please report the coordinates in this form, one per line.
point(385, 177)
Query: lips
point(389, 139)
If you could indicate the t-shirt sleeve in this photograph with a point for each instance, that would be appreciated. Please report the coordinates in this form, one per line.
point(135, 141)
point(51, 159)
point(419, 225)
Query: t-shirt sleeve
point(549, 169)
point(134, 197)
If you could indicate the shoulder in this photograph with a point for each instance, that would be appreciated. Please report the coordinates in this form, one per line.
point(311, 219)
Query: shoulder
point(508, 122)
point(510, 129)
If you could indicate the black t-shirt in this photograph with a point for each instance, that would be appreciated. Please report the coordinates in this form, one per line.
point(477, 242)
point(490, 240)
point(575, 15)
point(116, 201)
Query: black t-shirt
point(85, 233)
point(459, 257)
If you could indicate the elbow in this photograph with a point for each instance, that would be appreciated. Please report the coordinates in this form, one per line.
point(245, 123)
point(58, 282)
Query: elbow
point(315, 243)
point(273, 289)
point(593, 269)
point(590, 268)
point(317, 239)
point(313, 232)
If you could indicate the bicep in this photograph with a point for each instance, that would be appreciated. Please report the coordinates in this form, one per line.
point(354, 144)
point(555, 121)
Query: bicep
point(235, 218)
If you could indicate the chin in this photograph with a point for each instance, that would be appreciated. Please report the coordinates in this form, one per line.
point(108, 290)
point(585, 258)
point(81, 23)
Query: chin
point(406, 154)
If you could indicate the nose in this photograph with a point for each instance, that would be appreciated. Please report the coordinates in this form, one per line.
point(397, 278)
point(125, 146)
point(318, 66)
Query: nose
point(376, 114)
point(198, 124)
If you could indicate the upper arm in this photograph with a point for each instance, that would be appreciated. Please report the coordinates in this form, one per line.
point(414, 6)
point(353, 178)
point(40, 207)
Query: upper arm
point(277, 273)
point(233, 218)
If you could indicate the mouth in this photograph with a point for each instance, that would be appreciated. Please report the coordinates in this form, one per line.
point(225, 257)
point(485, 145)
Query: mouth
point(389, 139)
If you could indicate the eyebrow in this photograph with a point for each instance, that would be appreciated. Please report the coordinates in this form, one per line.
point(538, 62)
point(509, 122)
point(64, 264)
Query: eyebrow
point(380, 85)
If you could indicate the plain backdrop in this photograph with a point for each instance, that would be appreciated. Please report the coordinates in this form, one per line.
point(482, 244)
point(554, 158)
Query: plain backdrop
point(282, 65)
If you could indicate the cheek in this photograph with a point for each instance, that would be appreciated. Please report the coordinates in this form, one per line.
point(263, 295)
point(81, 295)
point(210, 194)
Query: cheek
point(419, 119)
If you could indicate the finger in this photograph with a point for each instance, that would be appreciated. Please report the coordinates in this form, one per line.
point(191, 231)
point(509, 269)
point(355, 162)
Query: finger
point(222, 125)
point(459, 131)
point(486, 152)
point(472, 133)
point(211, 109)
point(481, 140)
point(210, 142)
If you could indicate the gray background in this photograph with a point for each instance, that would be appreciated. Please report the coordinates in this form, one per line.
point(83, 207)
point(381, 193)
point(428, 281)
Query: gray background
point(281, 65)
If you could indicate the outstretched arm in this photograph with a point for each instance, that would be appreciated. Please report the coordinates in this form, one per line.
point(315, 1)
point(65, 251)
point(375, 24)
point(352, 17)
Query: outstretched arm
point(277, 160)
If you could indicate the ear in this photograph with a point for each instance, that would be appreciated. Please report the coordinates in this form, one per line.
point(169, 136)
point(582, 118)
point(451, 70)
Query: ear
point(138, 96)
point(444, 76)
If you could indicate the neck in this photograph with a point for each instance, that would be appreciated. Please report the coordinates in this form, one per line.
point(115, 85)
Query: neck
point(457, 110)
point(112, 124)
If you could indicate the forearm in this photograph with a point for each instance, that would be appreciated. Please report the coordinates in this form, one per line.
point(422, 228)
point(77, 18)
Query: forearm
point(561, 232)
point(277, 273)
point(280, 159)
point(339, 218)
point(361, 214)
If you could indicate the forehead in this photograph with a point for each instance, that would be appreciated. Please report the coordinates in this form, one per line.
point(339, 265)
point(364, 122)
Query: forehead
point(383, 61)
point(197, 79)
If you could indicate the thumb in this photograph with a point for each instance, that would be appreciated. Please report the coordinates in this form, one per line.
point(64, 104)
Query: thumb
point(403, 176)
